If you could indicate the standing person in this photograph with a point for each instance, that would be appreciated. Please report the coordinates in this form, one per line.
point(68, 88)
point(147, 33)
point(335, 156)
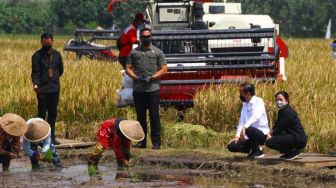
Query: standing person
point(38, 134)
point(129, 37)
point(117, 134)
point(201, 46)
point(146, 65)
point(12, 126)
point(47, 68)
point(253, 124)
point(288, 135)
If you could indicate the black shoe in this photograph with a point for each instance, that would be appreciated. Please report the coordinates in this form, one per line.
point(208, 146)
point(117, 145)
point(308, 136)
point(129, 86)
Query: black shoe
point(257, 154)
point(292, 155)
point(156, 146)
point(284, 156)
point(55, 142)
point(139, 145)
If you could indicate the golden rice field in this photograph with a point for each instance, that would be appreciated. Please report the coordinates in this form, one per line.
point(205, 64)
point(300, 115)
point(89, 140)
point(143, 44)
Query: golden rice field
point(88, 96)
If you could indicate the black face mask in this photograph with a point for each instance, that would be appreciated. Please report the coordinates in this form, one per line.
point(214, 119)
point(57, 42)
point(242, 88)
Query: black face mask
point(146, 41)
point(47, 48)
point(242, 98)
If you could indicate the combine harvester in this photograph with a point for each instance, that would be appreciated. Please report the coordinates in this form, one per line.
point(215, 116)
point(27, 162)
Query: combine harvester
point(235, 48)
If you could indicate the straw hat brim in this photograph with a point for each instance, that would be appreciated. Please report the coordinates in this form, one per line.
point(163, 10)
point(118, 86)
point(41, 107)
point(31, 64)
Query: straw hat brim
point(132, 130)
point(43, 137)
point(19, 128)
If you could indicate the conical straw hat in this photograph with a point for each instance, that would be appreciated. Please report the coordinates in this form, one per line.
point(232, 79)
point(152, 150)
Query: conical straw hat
point(132, 130)
point(13, 124)
point(38, 130)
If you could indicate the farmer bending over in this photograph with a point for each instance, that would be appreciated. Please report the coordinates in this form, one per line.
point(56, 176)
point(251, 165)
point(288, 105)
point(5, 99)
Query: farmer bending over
point(38, 134)
point(116, 134)
point(12, 127)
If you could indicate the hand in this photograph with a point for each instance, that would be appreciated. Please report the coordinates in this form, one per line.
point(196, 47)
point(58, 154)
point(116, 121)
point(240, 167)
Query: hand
point(35, 88)
point(268, 136)
point(12, 155)
point(126, 163)
point(235, 140)
point(145, 79)
point(38, 156)
point(243, 134)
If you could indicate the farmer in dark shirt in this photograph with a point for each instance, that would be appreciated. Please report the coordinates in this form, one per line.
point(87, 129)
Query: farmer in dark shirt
point(47, 67)
point(288, 135)
point(12, 126)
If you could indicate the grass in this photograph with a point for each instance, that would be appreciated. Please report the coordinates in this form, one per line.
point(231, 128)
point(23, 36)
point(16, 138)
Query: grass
point(88, 96)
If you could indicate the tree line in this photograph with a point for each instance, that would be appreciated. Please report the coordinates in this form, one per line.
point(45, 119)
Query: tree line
point(297, 18)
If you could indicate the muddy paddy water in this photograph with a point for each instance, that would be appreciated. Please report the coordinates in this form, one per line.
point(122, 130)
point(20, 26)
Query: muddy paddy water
point(75, 175)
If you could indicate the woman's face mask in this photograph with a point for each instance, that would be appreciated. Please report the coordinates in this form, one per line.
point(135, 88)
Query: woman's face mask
point(281, 104)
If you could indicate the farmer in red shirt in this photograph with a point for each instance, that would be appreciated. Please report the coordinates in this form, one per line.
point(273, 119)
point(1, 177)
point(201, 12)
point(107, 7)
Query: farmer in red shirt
point(116, 134)
point(129, 37)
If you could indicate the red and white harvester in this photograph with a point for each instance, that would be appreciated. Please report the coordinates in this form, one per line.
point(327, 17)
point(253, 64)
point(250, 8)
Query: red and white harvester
point(234, 48)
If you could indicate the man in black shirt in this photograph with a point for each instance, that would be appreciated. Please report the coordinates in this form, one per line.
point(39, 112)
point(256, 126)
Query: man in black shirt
point(47, 67)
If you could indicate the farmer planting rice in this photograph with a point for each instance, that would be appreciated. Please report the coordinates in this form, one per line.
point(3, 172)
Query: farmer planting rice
point(38, 135)
point(12, 126)
point(116, 134)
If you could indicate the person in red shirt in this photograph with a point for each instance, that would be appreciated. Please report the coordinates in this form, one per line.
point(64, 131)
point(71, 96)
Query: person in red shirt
point(129, 37)
point(115, 134)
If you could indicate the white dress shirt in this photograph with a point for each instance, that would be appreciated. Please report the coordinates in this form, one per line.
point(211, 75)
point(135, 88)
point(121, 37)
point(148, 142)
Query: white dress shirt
point(253, 114)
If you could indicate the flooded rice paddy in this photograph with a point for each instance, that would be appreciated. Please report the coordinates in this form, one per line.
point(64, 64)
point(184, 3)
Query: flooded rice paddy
point(74, 174)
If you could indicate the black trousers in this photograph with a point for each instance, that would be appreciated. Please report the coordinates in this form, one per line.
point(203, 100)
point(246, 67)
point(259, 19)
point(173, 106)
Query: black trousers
point(48, 102)
point(255, 139)
point(122, 60)
point(5, 161)
point(150, 101)
point(285, 143)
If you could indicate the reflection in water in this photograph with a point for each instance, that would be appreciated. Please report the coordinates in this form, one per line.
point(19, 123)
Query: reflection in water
point(75, 174)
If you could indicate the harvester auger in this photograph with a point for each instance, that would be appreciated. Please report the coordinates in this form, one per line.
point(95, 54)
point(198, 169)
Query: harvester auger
point(85, 43)
point(233, 56)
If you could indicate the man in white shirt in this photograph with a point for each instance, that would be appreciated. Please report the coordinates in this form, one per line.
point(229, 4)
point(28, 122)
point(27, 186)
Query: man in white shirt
point(253, 127)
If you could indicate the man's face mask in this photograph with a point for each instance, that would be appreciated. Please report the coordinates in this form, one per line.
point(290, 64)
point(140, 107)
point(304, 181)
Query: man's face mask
point(146, 40)
point(242, 98)
point(47, 47)
point(281, 104)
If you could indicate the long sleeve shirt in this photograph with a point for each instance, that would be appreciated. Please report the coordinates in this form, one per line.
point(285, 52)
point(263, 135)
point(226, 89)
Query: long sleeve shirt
point(128, 38)
point(47, 68)
point(288, 122)
point(9, 143)
point(253, 114)
point(27, 146)
point(108, 137)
